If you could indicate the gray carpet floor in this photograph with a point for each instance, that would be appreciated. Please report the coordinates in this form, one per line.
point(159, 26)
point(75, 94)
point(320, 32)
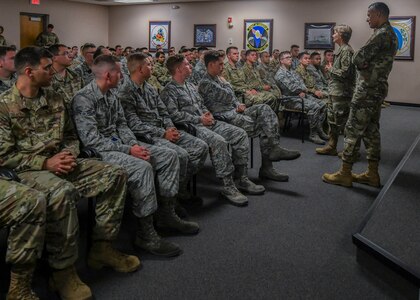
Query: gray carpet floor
point(294, 242)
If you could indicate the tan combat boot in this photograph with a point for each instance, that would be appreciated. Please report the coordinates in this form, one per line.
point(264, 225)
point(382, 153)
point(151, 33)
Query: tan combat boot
point(330, 148)
point(343, 177)
point(68, 285)
point(370, 177)
point(20, 283)
point(103, 255)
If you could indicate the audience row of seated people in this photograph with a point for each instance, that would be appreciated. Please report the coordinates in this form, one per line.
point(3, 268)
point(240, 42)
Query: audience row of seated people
point(153, 121)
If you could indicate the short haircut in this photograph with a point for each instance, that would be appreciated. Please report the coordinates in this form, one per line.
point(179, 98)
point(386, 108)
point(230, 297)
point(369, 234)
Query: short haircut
point(202, 49)
point(4, 50)
point(283, 54)
point(87, 46)
point(294, 46)
point(159, 53)
point(328, 51)
point(98, 51)
point(315, 53)
point(102, 61)
point(30, 57)
point(344, 31)
point(230, 48)
point(50, 26)
point(380, 7)
point(249, 51)
point(118, 46)
point(184, 50)
point(55, 49)
point(301, 54)
point(136, 59)
point(74, 47)
point(173, 62)
point(143, 48)
point(211, 56)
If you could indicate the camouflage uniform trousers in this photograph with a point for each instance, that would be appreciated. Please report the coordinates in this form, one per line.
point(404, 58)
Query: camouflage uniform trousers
point(141, 176)
point(363, 124)
point(259, 120)
point(218, 137)
point(90, 178)
point(270, 98)
point(191, 151)
point(23, 210)
point(314, 108)
point(338, 109)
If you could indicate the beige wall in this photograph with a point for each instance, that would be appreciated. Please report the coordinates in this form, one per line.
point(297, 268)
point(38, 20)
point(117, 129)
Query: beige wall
point(128, 25)
point(75, 23)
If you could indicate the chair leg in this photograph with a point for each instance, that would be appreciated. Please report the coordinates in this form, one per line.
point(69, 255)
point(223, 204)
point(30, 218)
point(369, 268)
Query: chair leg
point(91, 222)
point(252, 152)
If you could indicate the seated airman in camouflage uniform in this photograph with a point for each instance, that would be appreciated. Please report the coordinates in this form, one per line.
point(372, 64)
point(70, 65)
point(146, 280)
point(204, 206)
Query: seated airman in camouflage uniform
point(65, 81)
point(247, 82)
point(146, 114)
point(314, 69)
point(47, 38)
point(327, 63)
point(23, 211)
point(340, 90)
point(38, 141)
point(101, 125)
point(294, 51)
point(8, 75)
point(257, 120)
point(291, 84)
point(267, 69)
point(84, 70)
point(186, 106)
point(199, 69)
point(152, 80)
point(159, 69)
point(373, 63)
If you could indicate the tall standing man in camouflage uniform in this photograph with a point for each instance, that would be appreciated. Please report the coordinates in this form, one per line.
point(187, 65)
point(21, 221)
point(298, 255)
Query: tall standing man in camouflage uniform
point(373, 63)
point(84, 69)
point(47, 38)
point(23, 211)
point(38, 141)
point(101, 125)
point(147, 115)
point(257, 120)
point(340, 88)
point(8, 75)
point(185, 105)
point(291, 84)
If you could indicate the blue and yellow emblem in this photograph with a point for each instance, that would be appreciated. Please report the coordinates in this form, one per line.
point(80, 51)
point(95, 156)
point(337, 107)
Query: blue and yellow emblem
point(402, 29)
point(257, 37)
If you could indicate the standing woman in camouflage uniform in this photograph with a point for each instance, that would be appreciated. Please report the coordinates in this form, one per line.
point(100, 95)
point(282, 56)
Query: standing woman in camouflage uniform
point(340, 88)
point(373, 63)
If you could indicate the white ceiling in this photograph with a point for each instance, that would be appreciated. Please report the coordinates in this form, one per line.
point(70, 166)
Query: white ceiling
point(111, 2)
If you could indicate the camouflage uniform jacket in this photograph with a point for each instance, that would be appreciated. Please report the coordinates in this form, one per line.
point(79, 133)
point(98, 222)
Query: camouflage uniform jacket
point(2, 41)
point(290, 83)
point(252, 78)
point(267, 73)
point(240, 63)
point(7, 84)
point(84, 72)
point(100, 120)
point(320, 82)
point(342, 73)
point(308, 79)
point(33, 130)
point(162, 74)
point(144, 110)
point(46, 39)
point(236, 78)
point(274, 64)
point(153, 81)
point(68, 86)
point(198, 72)
point(374, 63)
point(295, 63)
point(218, 96)
point(184, 103)
point(326, 73)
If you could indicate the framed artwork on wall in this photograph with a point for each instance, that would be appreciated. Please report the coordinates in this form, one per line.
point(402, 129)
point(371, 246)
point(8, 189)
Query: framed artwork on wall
point(404, 28)
point(159, 35)
point(319, 35)
point(205, 35)
point(258, 34)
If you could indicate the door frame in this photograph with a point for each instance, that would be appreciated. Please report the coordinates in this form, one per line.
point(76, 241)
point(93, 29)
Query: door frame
point(44, 17)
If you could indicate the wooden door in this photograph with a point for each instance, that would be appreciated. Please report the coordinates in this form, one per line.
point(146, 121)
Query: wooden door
point(30, 27)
